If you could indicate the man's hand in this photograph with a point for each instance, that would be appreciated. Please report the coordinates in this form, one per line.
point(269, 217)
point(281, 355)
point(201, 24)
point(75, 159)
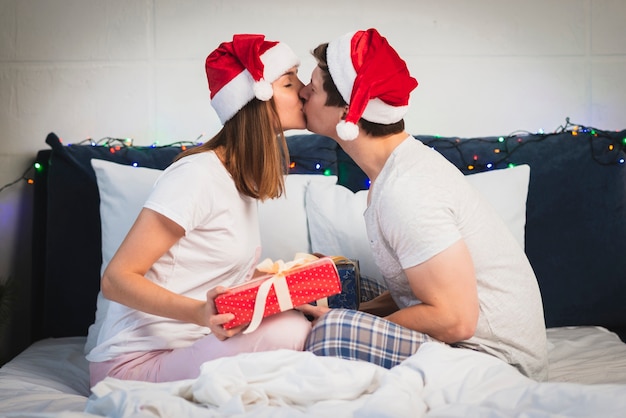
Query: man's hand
point(314, 311)
point(382, 305)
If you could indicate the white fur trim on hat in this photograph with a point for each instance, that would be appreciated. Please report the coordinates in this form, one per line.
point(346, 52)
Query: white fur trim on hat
point(339, 59)
point(378, 111)
point(277, 60)
point(233, 96)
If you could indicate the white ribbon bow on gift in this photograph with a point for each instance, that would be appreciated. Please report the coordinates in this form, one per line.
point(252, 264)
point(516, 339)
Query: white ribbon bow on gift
point(278, 280)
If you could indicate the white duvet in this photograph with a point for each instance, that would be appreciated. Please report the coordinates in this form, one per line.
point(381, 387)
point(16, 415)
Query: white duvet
point(50, 379)
point(438, 381)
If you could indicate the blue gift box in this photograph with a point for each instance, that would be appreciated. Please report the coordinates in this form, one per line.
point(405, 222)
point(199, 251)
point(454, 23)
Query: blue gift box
point(350, 295)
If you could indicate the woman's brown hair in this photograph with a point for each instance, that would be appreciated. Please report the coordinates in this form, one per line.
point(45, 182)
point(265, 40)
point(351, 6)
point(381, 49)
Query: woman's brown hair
point(254, 150)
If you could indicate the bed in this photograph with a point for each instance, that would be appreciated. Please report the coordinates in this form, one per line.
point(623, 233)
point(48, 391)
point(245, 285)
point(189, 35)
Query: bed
point(587, 378)
point(587, 357)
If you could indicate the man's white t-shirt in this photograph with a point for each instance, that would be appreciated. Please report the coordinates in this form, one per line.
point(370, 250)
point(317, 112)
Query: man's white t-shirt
point(420, 205)
point(221, 246)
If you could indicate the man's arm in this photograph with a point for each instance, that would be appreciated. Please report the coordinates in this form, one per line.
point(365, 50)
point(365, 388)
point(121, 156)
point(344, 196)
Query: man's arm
point(446, 285)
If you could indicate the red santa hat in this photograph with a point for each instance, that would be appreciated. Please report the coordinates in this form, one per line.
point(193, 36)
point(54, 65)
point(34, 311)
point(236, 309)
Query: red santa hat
point(371, 77)
point(243, 69)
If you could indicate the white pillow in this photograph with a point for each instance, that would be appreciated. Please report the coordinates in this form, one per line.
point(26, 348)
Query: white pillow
point(506, 190)
point(283, 221)
point(337, 226)
point(123, 191)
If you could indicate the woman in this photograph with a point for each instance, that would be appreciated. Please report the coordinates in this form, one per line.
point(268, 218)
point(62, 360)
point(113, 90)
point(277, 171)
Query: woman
point(198, 231)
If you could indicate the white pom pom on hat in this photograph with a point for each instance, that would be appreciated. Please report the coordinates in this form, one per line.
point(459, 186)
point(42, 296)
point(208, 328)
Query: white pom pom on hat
point(263, 90)
point(371, 77)
point(243, 69)
point(347, 131)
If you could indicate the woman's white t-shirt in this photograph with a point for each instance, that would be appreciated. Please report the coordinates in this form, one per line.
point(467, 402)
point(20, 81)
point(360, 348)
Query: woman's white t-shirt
point(221, 246)
point(420, 204)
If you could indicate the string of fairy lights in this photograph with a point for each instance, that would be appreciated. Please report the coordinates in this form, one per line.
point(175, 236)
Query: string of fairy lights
point(115, 144)
point(606, 148)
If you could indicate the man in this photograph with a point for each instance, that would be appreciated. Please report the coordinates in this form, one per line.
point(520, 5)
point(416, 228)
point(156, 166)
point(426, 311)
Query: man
point(455, 273)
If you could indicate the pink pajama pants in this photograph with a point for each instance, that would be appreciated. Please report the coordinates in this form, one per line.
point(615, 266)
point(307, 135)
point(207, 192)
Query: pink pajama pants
point(286, 330)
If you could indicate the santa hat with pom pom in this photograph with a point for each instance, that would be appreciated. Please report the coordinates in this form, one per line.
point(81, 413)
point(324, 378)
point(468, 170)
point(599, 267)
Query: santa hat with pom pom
point(243, 69)
point(371, 77)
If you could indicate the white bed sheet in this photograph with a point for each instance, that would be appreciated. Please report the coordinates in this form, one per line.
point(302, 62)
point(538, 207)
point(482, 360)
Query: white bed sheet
point(591, 355)
point(50, 378)
point(51, 375)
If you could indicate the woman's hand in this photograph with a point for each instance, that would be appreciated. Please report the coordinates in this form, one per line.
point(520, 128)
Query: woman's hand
point(215, 321)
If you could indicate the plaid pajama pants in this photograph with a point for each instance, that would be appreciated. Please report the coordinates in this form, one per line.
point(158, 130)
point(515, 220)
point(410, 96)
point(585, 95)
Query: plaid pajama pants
point(358, 335)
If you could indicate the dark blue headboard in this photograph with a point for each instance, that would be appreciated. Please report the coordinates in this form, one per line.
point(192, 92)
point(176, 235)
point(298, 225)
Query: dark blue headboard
point(575, 227)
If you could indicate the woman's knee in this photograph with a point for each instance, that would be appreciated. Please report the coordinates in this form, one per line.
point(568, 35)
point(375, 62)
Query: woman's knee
point(287, 330)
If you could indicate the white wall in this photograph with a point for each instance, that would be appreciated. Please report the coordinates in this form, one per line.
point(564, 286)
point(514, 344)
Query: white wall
point(135, 68)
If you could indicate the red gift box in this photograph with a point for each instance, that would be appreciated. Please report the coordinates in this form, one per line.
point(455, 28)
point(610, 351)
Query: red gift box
point(293, 287)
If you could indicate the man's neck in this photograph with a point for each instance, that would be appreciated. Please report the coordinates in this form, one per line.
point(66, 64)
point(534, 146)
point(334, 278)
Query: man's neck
point(370, 153)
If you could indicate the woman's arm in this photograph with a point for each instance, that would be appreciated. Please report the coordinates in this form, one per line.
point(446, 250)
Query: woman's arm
point(124, 282)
